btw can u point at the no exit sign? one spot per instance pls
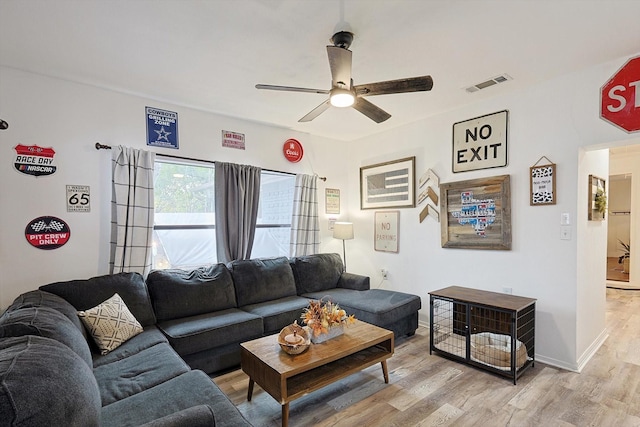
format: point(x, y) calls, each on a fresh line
point(481, 142)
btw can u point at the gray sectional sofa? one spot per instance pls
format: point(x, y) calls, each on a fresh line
point(259, 297)
point(51, 373)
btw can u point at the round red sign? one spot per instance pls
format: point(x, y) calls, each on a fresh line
point(620, 97)
point(47, 232)
point(292, 150)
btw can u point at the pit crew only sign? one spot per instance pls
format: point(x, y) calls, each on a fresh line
point(162, 128)
point(47, 232)
point(34, 160)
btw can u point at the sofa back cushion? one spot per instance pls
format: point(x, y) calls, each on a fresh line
point(45, 322)
point(262, 279)
point(316, 273)
point(44, 383)
point(180, 293)
point(85, 294)
point(40, 298)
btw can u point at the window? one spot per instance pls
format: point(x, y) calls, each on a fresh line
point(184, 219)
point(273, 229)
point(184, 229)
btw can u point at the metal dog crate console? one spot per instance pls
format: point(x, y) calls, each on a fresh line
point(488, 330)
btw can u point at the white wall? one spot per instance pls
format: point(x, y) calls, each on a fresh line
point(557, 119)
point(591, 260)
point(71, 118)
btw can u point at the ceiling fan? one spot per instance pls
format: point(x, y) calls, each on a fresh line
point(343, 93)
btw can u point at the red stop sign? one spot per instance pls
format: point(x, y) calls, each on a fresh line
point(620, 97)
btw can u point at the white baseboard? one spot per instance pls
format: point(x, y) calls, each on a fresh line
point(593, 348)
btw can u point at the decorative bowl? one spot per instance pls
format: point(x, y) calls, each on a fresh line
point(294, 339)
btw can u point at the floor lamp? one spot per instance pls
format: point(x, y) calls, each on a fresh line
point(343, 231)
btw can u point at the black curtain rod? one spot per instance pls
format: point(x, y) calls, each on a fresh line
point(108, 147)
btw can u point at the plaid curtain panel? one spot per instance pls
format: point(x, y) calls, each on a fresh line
point(305, 226)
point(131, 210)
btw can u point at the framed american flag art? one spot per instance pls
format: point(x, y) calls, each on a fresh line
point(388, 185)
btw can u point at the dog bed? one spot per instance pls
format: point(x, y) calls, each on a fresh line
point(495, 350)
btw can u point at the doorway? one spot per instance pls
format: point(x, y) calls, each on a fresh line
point(622, 219)
point(619, 228)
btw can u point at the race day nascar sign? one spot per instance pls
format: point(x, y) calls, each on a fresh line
point(34, 160)
point(162, 128)
point(47, 232)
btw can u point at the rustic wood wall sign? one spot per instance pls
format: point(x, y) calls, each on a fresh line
point(476, 213)
point(597, 198)
point(542, 183)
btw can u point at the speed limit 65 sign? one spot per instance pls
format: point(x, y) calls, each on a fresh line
point(78, 199)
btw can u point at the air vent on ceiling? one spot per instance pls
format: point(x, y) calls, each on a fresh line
point(493, 81)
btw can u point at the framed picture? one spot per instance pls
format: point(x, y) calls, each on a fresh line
point(597, 198)
point(476, 213)
point(332, 200)
point(388, 185)
point(386, 237)
point(542, 185)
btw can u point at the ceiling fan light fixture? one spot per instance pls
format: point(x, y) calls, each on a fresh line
point(342, 98)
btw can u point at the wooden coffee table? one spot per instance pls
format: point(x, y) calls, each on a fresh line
point(287, 377)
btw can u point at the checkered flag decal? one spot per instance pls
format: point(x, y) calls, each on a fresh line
point(39, 226)
point(53, 225)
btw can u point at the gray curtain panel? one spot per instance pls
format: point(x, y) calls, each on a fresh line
point(131, 210)
point(237, 193)
point(305, 226)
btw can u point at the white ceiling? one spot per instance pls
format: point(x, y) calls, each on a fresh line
point(209, 55)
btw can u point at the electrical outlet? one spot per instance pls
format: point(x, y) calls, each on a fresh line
point(385, 274)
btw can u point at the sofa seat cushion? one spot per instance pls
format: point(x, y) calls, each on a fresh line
point(139, 372)
point(206, 331)
point(44, 383)
point(144, 340)
point(377, 306)
point(84, 294)
point(181, 293)
point(39, 298)
point(316, 273)
point(262, 279)
point(185, 391)
point(45, 322)
point(278, 313)
point(196, 416)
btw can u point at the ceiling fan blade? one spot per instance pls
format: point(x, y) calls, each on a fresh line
point(316, 111)
point(413, 84)
point(340, 64)
point(291, 89)
point(376, 114)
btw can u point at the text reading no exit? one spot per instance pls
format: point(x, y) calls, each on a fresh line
point(480, 143)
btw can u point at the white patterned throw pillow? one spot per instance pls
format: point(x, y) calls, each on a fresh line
point(110, 323)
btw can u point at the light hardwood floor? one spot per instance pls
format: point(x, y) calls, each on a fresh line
point(428, 390)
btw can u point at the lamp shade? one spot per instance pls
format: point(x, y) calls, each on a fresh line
point(343, 230)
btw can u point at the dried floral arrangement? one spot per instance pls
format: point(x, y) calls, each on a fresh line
point(320, 317)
